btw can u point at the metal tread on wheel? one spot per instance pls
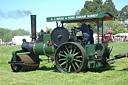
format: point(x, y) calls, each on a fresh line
point(70, 57)
point(30, 62)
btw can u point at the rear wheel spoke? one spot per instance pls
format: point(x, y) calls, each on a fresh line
point(66, 66)
point(65, 52)
point(62, 55)
point(78, 57)
point(76, 53)
point(74, 50)
point(74, 66)
point(70, 51)
point(69, 69)
point(77, 60)
point(67, 49)
point(63, 63)
point(62, 59)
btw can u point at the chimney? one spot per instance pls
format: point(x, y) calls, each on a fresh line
point(33, 28)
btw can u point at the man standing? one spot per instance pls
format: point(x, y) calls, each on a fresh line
point(91, 35)
point(41, 35)
point(85, 32)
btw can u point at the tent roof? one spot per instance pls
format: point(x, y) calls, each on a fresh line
point(122, 34)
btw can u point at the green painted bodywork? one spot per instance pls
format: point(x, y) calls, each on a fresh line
point(90, 54)
point(43, 49)
point(47, 37)
point(14, 54)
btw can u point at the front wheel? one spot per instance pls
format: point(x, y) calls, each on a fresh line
point(70, 57)
point(31, 62)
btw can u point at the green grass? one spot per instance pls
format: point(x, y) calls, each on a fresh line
point(115, 74)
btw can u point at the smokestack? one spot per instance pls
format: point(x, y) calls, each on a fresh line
point(33, 28)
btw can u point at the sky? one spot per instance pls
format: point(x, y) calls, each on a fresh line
point(15, 14)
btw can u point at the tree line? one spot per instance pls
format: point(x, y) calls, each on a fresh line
point(97, 6)
point(7, 34)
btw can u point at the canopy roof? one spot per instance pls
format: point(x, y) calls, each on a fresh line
point(86, 17)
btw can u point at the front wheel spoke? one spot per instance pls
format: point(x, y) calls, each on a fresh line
point(74, 66)
point(63, 63)
point(69, 69)
point(77, 60)
point(76, 53)
point(62, 55)
point(78, 57)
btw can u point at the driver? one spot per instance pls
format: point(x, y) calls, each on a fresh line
point(85, 32)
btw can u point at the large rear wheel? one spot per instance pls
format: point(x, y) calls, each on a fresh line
point(70, 57)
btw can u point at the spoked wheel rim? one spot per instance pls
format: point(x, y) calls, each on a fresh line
point(70, 57)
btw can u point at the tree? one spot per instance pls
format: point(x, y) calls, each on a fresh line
point(123, 14)
point(77, 12)
point(3, 31)
point(20, 32)
point(7, 34)
point(7, 37)
point(116, 26)
point(94, 6)
point(109, 7)
point(97, 6)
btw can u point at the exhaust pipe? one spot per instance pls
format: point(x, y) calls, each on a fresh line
point(33, 28)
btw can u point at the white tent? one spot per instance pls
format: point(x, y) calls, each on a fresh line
point(18, 39)
point(0, 41)
point(122, 34)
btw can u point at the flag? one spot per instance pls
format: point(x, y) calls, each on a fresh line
point(47, 28)
point(110, 30)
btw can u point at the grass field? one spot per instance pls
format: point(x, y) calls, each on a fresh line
point(115, 74)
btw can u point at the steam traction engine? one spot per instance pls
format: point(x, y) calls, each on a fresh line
point(64, 47)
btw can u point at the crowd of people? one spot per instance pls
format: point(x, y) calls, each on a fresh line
point(120, 39)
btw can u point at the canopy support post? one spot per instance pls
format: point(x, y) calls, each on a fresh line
point(62, 24)
point(102, 30)
point(98, 29)
point(56, 23)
